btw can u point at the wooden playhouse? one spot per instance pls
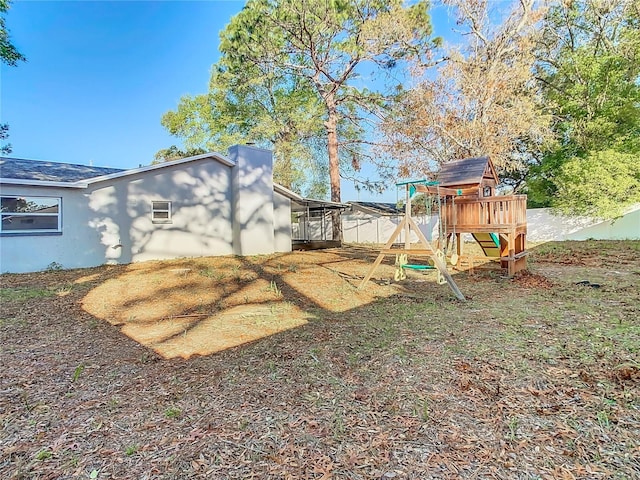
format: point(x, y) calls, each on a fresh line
point(465, 194)
point(497, 222)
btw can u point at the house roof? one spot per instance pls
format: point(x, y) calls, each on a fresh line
point(311, 204)
point(465, 172)
point(20, 168)
point(54, 174)
point(37, 172)
point(380, 208)
point(290, 194)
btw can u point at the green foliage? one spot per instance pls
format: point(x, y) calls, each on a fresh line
point(601, 184)
point(249, 101)
point(174, 153)
point(589, 70)
point(172, 412)
point(247, 104)
point(4, 134)
point(131, 450)
point(9, 55)
point(77, 372)
point(43, 455)
point(20, 294)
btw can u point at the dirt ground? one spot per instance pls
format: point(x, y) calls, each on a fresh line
point(202, 306)
point(279, 367)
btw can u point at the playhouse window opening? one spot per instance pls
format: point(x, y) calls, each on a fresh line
point(161, 211)
point(22, 214)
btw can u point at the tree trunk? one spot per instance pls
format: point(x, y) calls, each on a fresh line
point(334, 163)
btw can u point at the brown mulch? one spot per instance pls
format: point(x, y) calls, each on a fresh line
point(527, 279)
point(531, 378)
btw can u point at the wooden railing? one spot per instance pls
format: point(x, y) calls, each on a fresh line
point(488, 214)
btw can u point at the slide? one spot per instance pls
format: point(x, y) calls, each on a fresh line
point(490, 243)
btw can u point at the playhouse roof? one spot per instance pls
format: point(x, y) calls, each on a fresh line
point(468, 171)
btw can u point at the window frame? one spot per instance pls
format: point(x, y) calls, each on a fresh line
point(155, 211)
point(32, 231)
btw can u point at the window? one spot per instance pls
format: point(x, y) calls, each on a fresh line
point(486, 192)
point(30, 215)
point(161, 212)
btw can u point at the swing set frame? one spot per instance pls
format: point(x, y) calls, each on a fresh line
point(408, 225)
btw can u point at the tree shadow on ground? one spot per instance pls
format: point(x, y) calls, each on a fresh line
point(201, 306)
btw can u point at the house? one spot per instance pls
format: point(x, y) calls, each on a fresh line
point(83, 216)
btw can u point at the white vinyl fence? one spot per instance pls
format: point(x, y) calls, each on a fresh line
point(364, 228)
point(542, 226)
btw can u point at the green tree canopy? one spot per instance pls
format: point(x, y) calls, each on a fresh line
point(589, 71)
point(174, 153)
point(9, 55)
point(289, 75)
point(244, 104)
point(603, 181)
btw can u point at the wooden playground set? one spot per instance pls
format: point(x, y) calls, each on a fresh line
point(464, 195)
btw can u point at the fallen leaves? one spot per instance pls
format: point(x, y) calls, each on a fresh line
point(527, 379)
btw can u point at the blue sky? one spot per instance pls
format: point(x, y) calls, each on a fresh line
point(99, 76)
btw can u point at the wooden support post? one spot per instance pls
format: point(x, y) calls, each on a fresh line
point(407, 214)
point(512, 254)
point(521, 253)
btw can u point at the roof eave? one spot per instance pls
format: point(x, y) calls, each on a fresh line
point(42, 183)
point(291, 195)
point(125, 173)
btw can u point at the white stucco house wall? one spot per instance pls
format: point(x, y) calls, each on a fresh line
point(80, 216)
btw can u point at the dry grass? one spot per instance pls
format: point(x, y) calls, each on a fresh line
point(107, 372)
